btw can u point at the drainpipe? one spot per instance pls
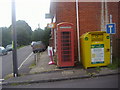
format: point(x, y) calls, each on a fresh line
point(102, 16)
point(106, 13)
point(78, 31)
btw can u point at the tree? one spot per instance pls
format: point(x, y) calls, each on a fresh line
point(6, 36)
point(46, 36)
point(24, 33)
point(41, 35)
point(38, 34)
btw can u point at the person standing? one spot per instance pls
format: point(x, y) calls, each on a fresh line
point(50, 54)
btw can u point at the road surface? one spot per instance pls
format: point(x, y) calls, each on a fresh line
point(22, 55)
point(96, 82)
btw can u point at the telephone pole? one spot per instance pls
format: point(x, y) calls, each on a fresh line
point(14, 40)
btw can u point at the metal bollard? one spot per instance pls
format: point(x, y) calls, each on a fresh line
point(35, 58)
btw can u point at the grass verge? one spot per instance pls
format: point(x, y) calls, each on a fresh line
point(32, 65)
point(16, 84)
point(20, 46)
point(8, 76)
point(98, 68)
point(115, 63)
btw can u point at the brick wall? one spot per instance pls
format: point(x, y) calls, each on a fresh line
point(118, 44)
point(65, 12)
point(89, 18)
point(118, 34)
point(113, 10)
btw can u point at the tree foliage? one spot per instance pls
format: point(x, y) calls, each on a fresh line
point(6, 36)
point(38, 35)
point(46, 36)
point(24, 34)
point(41, 35)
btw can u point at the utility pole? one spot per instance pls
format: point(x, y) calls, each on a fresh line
point(14, 40)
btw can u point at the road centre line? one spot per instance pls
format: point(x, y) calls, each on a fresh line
point(24, 61)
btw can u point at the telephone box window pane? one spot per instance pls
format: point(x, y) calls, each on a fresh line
point(66, 58)
point(66, 52)
point(65, 44)
point(65, 35)
point(66, 40)
point(66, 48)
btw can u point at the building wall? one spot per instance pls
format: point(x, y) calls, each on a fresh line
point(89, 18)
point(118, 40)
point(118, 34)
point(65, 12)
point(113, 10)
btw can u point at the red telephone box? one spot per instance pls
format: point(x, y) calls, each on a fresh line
point(65, 44)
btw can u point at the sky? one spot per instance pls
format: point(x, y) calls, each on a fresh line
point(31, 11)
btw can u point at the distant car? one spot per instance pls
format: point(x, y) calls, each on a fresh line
point(32, 43)
point(38, 47)
point(3, 51)
point(9, 47)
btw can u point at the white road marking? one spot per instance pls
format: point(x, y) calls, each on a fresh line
point(1, 79)
point(25, 60)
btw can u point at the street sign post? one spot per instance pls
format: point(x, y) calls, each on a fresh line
point(110, 28)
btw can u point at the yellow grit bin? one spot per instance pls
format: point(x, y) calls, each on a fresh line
point(95, 49)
